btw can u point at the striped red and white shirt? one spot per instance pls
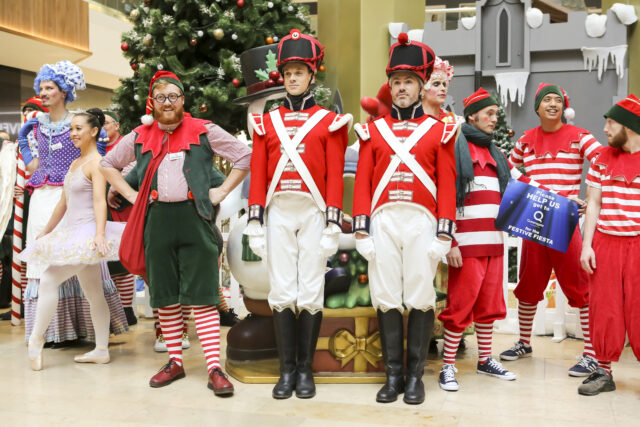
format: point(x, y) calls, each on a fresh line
point(555, 159)
point(476, 234)
point(615, 175)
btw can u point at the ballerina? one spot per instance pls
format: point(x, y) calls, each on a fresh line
point(75, 241)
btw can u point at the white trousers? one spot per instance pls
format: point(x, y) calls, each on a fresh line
point(402, 272)
point(43, 201)
point(295, 262)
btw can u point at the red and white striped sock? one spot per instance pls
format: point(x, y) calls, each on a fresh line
point(208, 328)
point(584, 324)
point(186, 314)
point(171, 324)
point(526, 313)
point(484, 332)
point(23, 276)
point(606, 365)
point(156, 323)
point(451, 342)
point(126, 285)
point(222, 305)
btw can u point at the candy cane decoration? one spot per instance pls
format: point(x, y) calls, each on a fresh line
point(16, 266)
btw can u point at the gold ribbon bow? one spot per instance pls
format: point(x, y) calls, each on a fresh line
point(344, 347)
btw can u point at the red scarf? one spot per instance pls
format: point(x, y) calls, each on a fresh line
point(151, 137)
point(542, 142)
point(619, 163)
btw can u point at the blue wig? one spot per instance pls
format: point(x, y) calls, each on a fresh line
point(65, 74)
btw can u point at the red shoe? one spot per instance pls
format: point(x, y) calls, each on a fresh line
point(167, 374)
point(219, 383)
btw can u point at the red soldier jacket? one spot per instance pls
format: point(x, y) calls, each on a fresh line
point(434, 154)
point(319, 137)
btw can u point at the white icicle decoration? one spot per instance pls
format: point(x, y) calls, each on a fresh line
point(599, 57)
point(512, 84)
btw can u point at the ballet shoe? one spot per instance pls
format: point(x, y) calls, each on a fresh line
point(35, 353)
point(92, 357)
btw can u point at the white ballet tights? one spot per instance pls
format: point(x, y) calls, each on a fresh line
point(90, 280)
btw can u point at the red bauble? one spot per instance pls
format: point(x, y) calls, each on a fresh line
point(343, 258)
point(270, 83)
point(124, 46)
point(203, 108)
point(269, 40)
point(193, 42)
point(273, 75)
point(403, 38)
point(280, 81)
point(134, 66)
point(363, 279)
point(510, 132)
point(322, 68)
point(240, 3)
point(235, 82)
point(147, 2)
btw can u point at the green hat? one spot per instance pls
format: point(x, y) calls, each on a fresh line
point(115, 116)
point(477, 101)
point(626, 112)
point(547, 88)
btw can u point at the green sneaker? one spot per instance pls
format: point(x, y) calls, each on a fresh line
point(597, 382)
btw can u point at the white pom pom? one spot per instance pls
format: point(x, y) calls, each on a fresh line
point(626, 13)
point(534, 17)
point(569, 113)
point(147, 119)
point(595, 25)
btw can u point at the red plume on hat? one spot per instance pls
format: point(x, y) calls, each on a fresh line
point(147, 119)
point(408, 55)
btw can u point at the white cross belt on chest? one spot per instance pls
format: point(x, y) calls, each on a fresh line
point(402, 155)
point(291, 153)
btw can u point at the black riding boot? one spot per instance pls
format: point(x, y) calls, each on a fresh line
point(284, 325)
point(308, 330)
point(391, 338)
point(418, 335)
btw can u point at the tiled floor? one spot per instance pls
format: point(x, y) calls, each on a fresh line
point(70, 394)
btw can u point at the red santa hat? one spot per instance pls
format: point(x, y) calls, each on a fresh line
point(546, 88)
point(167, 76)
point(477, 101)
point(407, 55)
point(298, 47)
point(626, 112)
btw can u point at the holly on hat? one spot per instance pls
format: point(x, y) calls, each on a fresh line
point(477, 101)
point(298, 47)
point(626, 112)
point(168, 76)
point(547, 88)
point(407, 55)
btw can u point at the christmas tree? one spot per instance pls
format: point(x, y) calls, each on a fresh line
point(200, 41)
point(502, 134)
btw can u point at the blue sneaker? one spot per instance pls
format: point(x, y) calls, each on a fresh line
point(448, 379)
point(518, 350)
point(494, 368)
point(585, 367)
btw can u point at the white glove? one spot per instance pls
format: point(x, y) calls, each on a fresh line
point(366, 248)
point(257, 238)
point(439, 248)
point(329, 240)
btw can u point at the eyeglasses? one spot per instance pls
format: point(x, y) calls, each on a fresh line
point(172, 97)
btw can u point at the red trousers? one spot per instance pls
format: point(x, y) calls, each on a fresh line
point(536, 263)
point(614, 301)
point(474, 293)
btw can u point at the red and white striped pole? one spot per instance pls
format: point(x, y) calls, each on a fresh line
point(17, 266)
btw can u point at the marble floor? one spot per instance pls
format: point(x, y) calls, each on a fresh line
point(70, 394)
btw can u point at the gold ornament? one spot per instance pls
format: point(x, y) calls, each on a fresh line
point(218, 33)
point(147, 40)
point(134, 15)
point(344, 347)
point(203, 108)
point(269, 40)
